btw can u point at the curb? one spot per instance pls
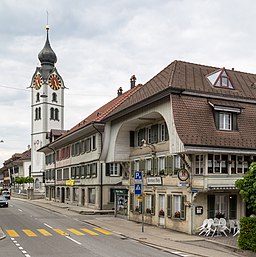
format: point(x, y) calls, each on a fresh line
point(2, 234)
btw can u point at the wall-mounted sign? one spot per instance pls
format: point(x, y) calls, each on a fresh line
point(154, 181)
point(70, 182)
point(183, 175)
point(199, 210)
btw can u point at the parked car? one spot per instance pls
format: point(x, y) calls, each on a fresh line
point(6, 194)
point(3, 201)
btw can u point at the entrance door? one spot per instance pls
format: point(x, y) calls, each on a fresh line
point(62, 200)
point(121, 204)
point(82, 197)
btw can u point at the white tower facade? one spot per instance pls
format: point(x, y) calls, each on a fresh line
point(47, 109)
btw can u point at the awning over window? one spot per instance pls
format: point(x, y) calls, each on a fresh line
point(217, 187)
point(227, 106)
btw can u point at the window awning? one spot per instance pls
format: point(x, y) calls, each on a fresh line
point(217, 187)
point(226, 106)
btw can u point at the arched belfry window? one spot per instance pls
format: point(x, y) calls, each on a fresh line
point(38, 97)
point(56, 114)
point(52, 113)
point(54, 97)
point(38, 113)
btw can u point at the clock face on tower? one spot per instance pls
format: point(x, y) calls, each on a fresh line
point(37, 81)
point(54, 82)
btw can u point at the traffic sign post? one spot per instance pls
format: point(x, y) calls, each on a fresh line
point(138, 190)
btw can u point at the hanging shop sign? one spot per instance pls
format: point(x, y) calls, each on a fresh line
point(183, 174)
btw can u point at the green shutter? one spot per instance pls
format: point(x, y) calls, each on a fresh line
point(142, 166)
point(166, 167)
point(166, 132)
point(131, 202)
point(107, 169)
point(234, 121)
point(169, 165)
point(155, 168)
point(169, 206)
point(183, 208)
point(132, 168)
point(217, 120)
point(153, 207)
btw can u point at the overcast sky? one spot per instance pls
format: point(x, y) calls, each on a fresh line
point(101, 43)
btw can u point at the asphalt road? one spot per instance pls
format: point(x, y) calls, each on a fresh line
point(36, 232)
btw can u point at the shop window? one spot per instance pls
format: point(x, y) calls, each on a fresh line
point(92, 195)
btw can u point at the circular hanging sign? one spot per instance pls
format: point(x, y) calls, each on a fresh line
point(183, 175)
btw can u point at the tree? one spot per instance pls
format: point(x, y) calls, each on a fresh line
point(247, 186)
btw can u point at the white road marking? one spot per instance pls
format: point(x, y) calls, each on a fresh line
point(20, 210)
point(73, 240)
point(48, 225)
point(24, 251)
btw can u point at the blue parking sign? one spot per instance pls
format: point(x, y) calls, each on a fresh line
point(138, 175)
point(138, 189)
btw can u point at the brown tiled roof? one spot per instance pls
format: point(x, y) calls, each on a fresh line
point(192, 77)
point(103, 111)
point(194, 121)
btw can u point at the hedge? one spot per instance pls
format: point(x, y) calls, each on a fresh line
point(247, 236)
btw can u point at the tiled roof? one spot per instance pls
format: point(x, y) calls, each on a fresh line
point(103, 111)
point(194, 122)
point(192, 77)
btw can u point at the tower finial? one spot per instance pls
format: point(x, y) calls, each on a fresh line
point(47, 25)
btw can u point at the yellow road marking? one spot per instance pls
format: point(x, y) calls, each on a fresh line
point(76, 232)
point(89, 232)
point(103, 231)
point(12, 233)
point(28, 232)
point(61, 232)
point(44, 232)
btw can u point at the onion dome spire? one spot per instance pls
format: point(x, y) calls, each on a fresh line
point(47, 55)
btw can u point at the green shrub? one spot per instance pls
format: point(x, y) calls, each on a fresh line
point(247, 237)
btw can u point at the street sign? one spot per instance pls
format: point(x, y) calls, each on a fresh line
point(120, 191)
point(138, 175)
point(138, 189)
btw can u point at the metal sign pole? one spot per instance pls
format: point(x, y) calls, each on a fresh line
point(142, 214)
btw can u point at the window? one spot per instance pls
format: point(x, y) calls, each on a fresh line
point(176, 206)
point(94, 169)
point(75, 194)
point(150, 204)
point(176, 163)
point(93, 142)
point(226, 120)
point(114, 169)
point(88, 145)
point(199, 164)
point(38, 97)
point(56, 114)
point(68, 193)
point(66, 173)
point(88, 171)
point(240, 163)
point(59, 174)
point(163, 132)
point(54, 97)
point(52, 114)
point(161, 165)
point(38, 113)
point(148, 166)
point(92, 195)
point(220, 78)
point(73, 172)
point(218, 163)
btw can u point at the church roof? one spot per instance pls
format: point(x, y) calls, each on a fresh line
point(47, 55)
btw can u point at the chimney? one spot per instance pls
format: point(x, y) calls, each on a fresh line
point(119, 91)
point(133, 81)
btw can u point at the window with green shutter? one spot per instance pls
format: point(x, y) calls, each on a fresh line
point(183, 208)
point(131, 202)
point(169, 206)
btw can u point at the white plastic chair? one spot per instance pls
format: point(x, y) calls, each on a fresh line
point(232, 226)
point(202, 227)
point(238, 228)
point(210, 228)
point(224, 227)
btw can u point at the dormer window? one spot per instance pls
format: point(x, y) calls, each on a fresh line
point(220, 78)
point(225, 115)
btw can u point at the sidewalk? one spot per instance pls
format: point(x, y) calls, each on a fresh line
point(157, 237)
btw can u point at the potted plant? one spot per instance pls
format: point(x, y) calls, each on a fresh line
point(161, 213)
point(177, 214)
point(148, 211)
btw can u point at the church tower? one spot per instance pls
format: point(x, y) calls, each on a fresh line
point(47, 107)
